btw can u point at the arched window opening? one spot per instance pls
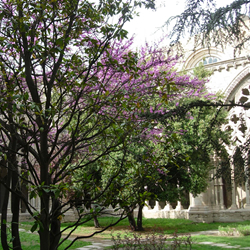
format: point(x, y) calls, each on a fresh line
point(208, 60)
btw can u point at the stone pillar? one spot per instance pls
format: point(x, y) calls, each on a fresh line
point(216, 197)
point(198, 211)
point(70, 214)
point(221, 200)
point(38, 205)
point(197, 203)
point(168, 207)
point(9, 204)
point(179, 207)
point(35, 203)
point(157, 206)
point(32, 202)
point(247, 205)
point(233, 206)
point(147, 206)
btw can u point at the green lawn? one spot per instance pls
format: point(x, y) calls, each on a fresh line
point(243, 241)
point(165, 226)
point(30, 241)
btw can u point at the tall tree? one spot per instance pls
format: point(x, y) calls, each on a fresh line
point(197, 140)
point(168, 163)
point(72, 94)
point(212, 25)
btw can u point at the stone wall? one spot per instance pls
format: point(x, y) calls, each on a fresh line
point(206, 216)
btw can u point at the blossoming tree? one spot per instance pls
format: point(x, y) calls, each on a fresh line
point(72, 93)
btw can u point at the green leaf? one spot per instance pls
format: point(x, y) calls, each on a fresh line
point(57, 193)
point(12, 239)
point(41, 227)
point(34, 227)
point(99, 64)
point(33, 194)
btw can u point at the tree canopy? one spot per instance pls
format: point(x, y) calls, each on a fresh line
point(212, 25)
point(167, 166)
point(73, 94)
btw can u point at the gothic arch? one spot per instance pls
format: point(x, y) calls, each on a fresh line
point(239, 126)
point(199, 54)
point(239, 117)
point(236, 83)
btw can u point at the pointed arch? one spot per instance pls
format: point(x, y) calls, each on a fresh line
point(199, 54)
point(235, 84)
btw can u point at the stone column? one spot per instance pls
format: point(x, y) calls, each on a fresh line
point(168, 207)
point(198, 211)
point(157, 206)
point(32, 203)
point(216, 197)
point(233, 206)
point(197, 203)
point(247, 205)
point(35, 203)
point(221, 201)
point(179, 207)
point(9, 204)
point(147, 206)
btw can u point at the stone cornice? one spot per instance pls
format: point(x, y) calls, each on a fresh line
point(227, 64)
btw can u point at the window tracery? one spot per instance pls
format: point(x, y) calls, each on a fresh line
point(208, 60)
point(239, 117)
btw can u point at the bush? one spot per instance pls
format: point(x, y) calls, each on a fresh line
point(228, 230)
point(235, 230)
point(153, 241)
point(244, 230)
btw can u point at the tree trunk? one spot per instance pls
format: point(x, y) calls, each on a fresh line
point(45, 178)
point(13, 170)
point(4, 240)
point(44, 237)
point(15, 195)
point(55, 234)
point(139, 219)
point(15, 206)
point(24, 190)
point(96, 222)
point(131, 220)
point(44, 231)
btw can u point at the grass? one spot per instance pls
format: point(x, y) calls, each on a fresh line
point(232, 241)
point(244, 230)
point(30, 241)
point(165, 226)
point(235, 230)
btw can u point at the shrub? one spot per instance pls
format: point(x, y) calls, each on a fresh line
point(235, 230)
point(228, 230)
point(244, 230)
point(153, 241)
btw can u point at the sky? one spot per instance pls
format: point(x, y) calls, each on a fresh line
point(148, 25)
